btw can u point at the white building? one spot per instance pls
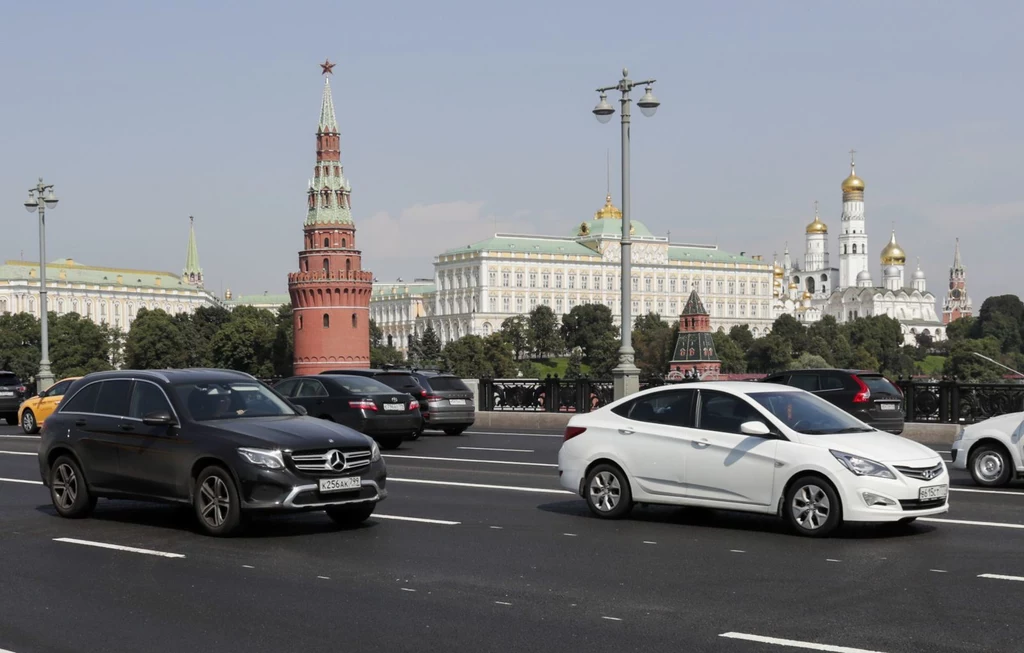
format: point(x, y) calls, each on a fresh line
point(812, 292)
point(478, 286)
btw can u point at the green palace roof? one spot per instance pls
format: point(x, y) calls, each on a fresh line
point(73, 272)
point(259, 300)
point(528, 244)
point(399, 288)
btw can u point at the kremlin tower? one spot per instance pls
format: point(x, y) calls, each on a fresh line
point(331, 292)
point(694, 353)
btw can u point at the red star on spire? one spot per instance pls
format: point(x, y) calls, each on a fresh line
point(328, 67)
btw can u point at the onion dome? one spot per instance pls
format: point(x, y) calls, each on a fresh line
point(863, 276)
point(806, 295)
point(817, 227)
point(853, 183)
point(892, 271)
point(792, 285)
point(893, 254)
point(919, 273)
point(777, 271)
point(227, 294)
point(608, 211)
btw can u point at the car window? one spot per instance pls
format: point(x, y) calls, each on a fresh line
point(148, 398)
point(403, 382)
point(311, 388)
point(807, 413)
point(59, 389)
point(287, 388)
point(83, 401)
point(808, 382)
point(724, 412)
point(9, 379)
point(445, 383)
point(230, 400)
point(832, 382)
point(672, 408)
point(361, 385)
point(879, 385)
point(113, 397)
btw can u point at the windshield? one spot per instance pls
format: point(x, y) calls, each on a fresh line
point(805, 413)
point(361, 384)
point(230, 400)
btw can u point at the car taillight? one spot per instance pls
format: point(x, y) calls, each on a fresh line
point(362, 404)
point(864, 394)
point(22, 389)
point(572, 431)
point(413, 405)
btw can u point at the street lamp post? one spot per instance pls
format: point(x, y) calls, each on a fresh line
point(39, 199)
point(626, 375)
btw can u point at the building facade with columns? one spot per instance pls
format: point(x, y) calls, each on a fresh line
point(480, 285)
point(399, 309)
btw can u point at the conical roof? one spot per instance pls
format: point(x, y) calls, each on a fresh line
point(328, 121)
point(694, 306)
point(192, 255)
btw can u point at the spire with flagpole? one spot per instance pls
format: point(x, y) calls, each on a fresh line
point(192, 274)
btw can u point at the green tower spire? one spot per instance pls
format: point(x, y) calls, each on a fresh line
point(192, 274)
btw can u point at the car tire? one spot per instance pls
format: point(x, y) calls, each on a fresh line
point(28, 422)
point(455, 430)
point(216, 502)
point(811, 507)
point(350, 516)
point(607, 492)
point(390, 442)
point(10, 418)
point(69, 491)
point(990, 465)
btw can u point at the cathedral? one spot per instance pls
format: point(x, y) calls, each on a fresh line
point(815, 289)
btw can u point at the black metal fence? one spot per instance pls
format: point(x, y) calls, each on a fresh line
point(566, 395)
point(954, 402)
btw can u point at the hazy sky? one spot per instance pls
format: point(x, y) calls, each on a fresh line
point(462, 118)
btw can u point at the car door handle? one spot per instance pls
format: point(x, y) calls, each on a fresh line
point(626, 432)
point(702, 443)
point(127, 427)
point(79, 422)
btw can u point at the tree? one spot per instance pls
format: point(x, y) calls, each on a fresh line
point(429, 351)
point(653, 341)
point(475, 357)
point(965, 366)
point(881, 337)
point(787, 328)
point(729, 353)
point(771, 353)
point(586, 325)
point(808, 361)
point(499, 355)
point(77, 346)
point(283, 349)
point(515, 329)
point(155, 341)
point(115, 344)
point(960, 329)
point(543, 332)
point(574, 369)
point(19, 344)
point(386, 355)
point(205, 322)
point(245, 343)
point(742, 336)
point(863, 360)
point(376, 334)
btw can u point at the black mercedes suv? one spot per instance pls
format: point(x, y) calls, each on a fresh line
point(218, 440)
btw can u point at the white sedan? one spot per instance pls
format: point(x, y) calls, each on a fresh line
point(753, 447)
point(991, 450)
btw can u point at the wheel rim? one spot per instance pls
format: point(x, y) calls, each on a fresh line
point(811, 507)
point(65, 486)
point(214, 501)
point(605, 491)
point(28, 421)
point(989, 466)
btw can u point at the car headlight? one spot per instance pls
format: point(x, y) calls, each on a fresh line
point(374, 452)
point(269, 458)
point(862, 466)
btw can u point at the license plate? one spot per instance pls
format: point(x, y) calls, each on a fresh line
point(394, 406)
point(340, 484)
point(933, 492)
point(6, 393)
point(888, 406)
point(457, 402)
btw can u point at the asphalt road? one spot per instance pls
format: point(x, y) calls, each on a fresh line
point(477, 549)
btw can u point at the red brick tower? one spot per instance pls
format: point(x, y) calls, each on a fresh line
point(330, 292)
point(695, 347)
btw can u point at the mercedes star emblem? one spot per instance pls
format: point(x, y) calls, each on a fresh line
point(335, 460)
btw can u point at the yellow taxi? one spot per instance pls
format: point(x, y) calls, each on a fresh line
point(33, 412)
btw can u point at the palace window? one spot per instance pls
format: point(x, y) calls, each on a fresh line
point(720, 285)
point(636, 307)
point(609, 282)
point(572, 281)
point(636, 283)
point(533, 302)
point(672, 284)
point(559, 305)
point(661, 284)
point(572, 304)
point(519, 304)
point(494, 304)
point(674, 306)
point(506, 304)
point(558, 280)
point(519, 279)
point(732, 287)
point(492, 278)
point(327, 242)
point(505, 279)
point(647, 306)
point(545, 280)
point(583, 282)
point(661, 306)
point(533, 279)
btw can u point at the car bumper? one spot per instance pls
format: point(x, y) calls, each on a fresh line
point(903, 495)
point(10, 404)
point(449, 416)
point(289, 491)
point(391, 424)
point(958, 452)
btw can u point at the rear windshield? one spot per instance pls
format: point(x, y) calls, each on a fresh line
point(9, 379)
point(880, 385)
point(361, 384)
point(443, 383)
point(403, 382)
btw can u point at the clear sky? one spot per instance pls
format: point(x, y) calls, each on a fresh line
point(462, 118)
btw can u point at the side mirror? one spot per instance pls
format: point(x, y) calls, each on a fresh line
point(301, 410)
point(158, 418)
point(755, 427)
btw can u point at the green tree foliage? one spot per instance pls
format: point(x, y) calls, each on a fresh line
point(771, 353)
point(653, 341)
point(960, 329)
point(499, 356)
point(808, 361)
point(428, 351)
point(543, 334)
point(381, 353)
point(730, 353)
point(155, 341)
point(787, 328)
point(473, 357)
point(963, 365)
point(882, 338)
point(77, 346)
point(590, 327)
point(19, 344)
point(1001, 317)
point(742, 336)
point(245, 342)
point(516, 330)
point(574, 369)
point(283, 349)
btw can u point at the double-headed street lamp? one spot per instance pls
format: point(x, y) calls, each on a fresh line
point(626, 375)
point(38, 198)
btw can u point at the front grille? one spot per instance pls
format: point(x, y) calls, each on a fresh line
point(332, 461)
point(917, 504)
point(922, 473)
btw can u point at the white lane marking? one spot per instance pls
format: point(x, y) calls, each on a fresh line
point(407, 589)
point(18, 453)
point(975, 491)
point(20, 480)
point(470, 460)
point(324, 577)
point(1001, 577)
point(612, 618)
point(966, 522)
point(736, 551)
point(832, 560)
point(795, 643)
point(481, 486)
point(496, 449)
point(503, 603)
point(497, 528)
point(649, 542)
point(118, 547)
point(248, 567)
point(938, 571)
point(529, 435)
point(22, 437)
point(569, 534)
point(421, 520)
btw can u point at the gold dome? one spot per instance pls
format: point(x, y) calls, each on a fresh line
point(608, 211)
point(893, 254)
point(853, 183)
point(227, 294)
point(806, 295)
point(778, 272)
point(817, 227)
point(792, 285)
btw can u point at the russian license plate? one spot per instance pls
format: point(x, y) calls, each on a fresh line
point(6, 393)
point(933, 492)
point(340, 484)
point(394, 406)
point(888, 406)
point(457, 402)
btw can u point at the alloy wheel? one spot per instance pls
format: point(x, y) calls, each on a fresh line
point(989, 466)
point(28, 421)
point(605, 491)
point(811, 507)
point(65, 486)
point(214, 501)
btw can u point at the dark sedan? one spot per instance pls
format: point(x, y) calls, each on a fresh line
point(218, 440)
point(359, 402)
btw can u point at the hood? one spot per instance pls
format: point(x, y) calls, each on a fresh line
point(1007, 424)
point(876, 445)
point(291, 432)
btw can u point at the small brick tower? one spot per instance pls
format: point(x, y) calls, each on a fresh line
point(695, 348)
point(331, 292)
